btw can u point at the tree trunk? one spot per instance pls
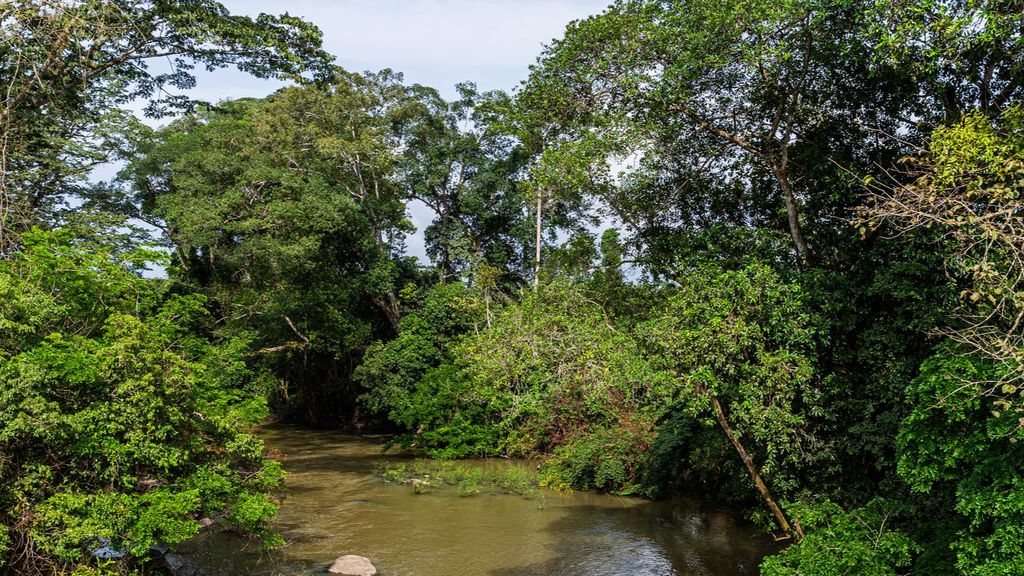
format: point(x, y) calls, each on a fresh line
point(748, 461)
point(389, 306)
point(536, 260)
point(792, 210)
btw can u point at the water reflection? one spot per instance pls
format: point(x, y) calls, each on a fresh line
point(336, 505)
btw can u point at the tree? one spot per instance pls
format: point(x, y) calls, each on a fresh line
point(859, 541)
point(459, 163)
point(69, 67)
point(719, 102)
point(738, 346)
point(710, 110)
point(121, 426)
point(960, 436)
point(287, 214)
point(562, 174)
point(965, 53)
point(967, 193)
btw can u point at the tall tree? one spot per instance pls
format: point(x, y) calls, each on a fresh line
point(968, 55)
point(458, 162)
point(723, 107)
point(287, 213)
point(967, 191)
point(69, 67)
point(563, 174)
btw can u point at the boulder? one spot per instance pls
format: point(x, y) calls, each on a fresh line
point(178, 566)
point(171, 563)
point(350, 565)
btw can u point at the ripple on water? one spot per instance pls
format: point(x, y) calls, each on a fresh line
point(336, 505)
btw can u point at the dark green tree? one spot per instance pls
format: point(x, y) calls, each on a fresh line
point(68, 69)
point(121, 425)
point(287, 214)
point(458, 162)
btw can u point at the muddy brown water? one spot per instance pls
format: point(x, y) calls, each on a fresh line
point(336, 504)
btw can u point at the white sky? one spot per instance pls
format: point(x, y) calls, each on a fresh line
point(437, 43)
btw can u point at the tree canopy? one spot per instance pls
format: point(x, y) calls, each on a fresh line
point(763, 251)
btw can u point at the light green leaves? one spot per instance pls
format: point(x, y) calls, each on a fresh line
point(120, 424)
point(860, 541)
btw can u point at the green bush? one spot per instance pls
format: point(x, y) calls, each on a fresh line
point(436, 319)
point(859, 542)
point(119, 423)
point(964, 435)
point(451, 417)
point(547, 369)
point(610, 460)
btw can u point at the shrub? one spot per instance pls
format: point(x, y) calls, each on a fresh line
point(856, 542)
point(610, 460)
point(119, 424)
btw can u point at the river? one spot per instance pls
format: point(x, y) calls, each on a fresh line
point(336, 504)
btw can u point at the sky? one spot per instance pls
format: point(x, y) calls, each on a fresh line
point(436, 43)
point(433, 42)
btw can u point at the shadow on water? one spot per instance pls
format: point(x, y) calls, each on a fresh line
point(653, 538)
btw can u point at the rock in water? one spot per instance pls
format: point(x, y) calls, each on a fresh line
point(350, 565)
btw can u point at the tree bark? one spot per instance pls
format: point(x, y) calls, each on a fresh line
point(536, 260)
point(389, 306)
point(748, 461)
point(793, 211)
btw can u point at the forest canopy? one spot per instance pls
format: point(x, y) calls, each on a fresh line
point(765, 251)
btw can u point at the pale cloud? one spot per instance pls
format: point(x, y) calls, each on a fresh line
point(433, 42)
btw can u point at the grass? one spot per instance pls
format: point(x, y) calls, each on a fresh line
point(469, 479)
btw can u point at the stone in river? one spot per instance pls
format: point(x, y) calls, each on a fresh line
point(350, 565)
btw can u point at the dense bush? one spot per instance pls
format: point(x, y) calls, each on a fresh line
point(547, 371)
point(436, 318)
point(609, 460)
point(120, 424)
point(860, 541)
point(965, 431)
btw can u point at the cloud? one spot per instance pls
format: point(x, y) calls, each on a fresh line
point(435, 42)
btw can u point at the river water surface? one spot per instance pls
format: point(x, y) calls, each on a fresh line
point(336, 504)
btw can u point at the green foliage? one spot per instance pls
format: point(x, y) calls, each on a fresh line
point(300, 254)
point(546, 370)
point(434, 320)
point(962, 432)
point(856, 542)
point(610, 460)
point(744, 337)
point(451, 417)
point(732, 296)
point(965, 49)
point(557, 366)
point(459, 162)
point(968, 189)
point(69, 68)
point(119, 422)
